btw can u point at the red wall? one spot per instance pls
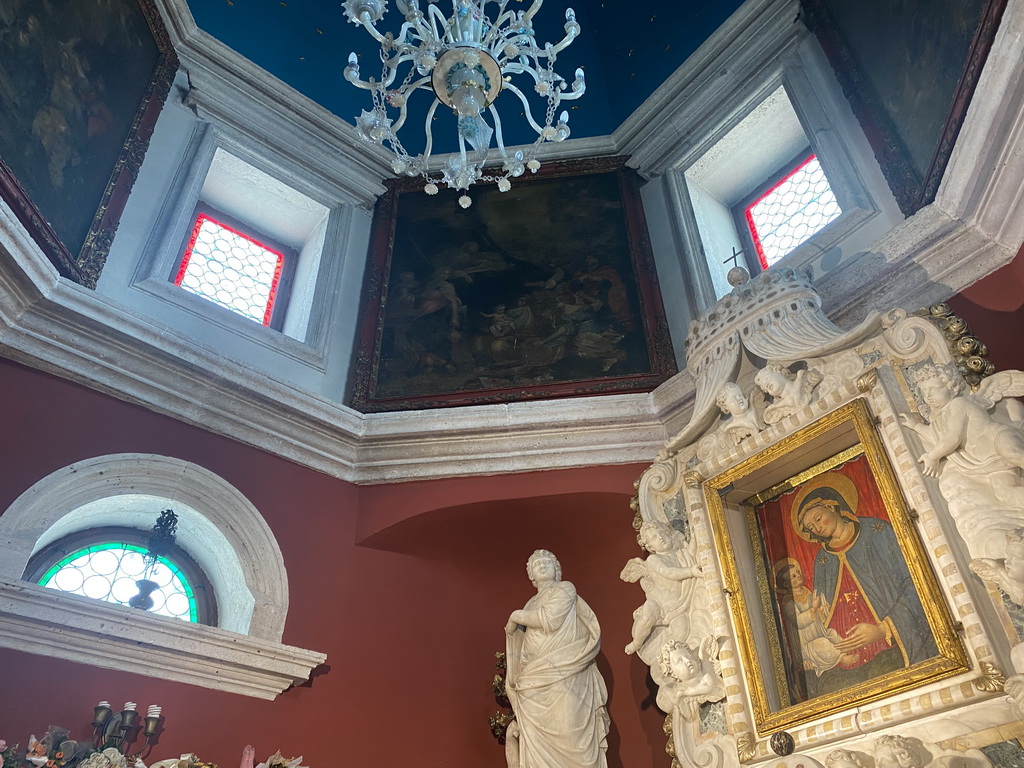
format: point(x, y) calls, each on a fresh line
point(994, 309)
point(406, 588)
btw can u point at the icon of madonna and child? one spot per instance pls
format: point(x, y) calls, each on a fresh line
point(848, 607)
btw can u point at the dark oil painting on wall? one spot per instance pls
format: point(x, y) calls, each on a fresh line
point(81, 83)
point(547, 290)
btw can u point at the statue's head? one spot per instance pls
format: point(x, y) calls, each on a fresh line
point(656, 537)
point(679, 661)
point(773, 379)
point(937, 385)
point(1015, 554)
point(731, 399)
point(901, 752)
point(542, 555)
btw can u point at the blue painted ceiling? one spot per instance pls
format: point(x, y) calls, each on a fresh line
point(627, 48)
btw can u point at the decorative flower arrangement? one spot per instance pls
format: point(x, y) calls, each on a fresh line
point(8, 755)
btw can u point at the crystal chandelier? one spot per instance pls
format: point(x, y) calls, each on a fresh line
point(466, 61)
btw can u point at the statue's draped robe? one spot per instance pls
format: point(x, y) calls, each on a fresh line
point(556, 691)
point(871, 570)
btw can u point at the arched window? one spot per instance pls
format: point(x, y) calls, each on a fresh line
point(65, 521)
point(108, 564)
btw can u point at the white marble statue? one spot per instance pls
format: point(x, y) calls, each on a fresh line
point(692, 675)
point(790, 392)
point(668, 577)
point(741, 421)
point(965, 432)
point(553, 683)
point(975, 446)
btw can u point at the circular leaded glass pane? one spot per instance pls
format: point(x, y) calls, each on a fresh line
point(110, 571)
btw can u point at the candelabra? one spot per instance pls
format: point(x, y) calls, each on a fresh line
point(466, 60)
point(113, 728)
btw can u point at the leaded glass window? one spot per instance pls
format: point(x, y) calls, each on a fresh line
point(107, 564)
point(791, 211)
point(231, 268)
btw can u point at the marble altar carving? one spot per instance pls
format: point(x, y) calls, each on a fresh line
point(740, 423)
point(556, 691)
point(693, 676)
point(668, 576)
point(790, 392)
point(770, 335)
point(974, 438)
point(896, 751)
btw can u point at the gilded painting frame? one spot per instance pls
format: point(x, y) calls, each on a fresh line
point(83, 84)
point(547, 290)
point(776, 508)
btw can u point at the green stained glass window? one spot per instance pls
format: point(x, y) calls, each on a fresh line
point(109, 571)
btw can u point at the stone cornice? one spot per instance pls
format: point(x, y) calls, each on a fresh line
point(43, 621)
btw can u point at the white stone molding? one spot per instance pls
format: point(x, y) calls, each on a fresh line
point(42, 621)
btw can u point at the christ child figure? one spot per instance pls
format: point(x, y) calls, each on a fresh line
point(805, 612)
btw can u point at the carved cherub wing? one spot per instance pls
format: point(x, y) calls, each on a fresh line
point(634, 570)
point(1002, 384)
point(708, 651)
point(809, 381)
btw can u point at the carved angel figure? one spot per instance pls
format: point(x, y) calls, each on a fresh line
point(790, 391)
point(909, 752)
point(693, 676)
point(667, 577)
point(964, 431)
point(741, 422)
point(1006, 573)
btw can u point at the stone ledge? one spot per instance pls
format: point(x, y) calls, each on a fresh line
point(43, 621)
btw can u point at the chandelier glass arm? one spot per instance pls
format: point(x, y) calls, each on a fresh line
point(428, 147)
point(368, 25)
point(526, 105)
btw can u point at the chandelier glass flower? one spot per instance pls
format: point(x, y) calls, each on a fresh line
point(466, 61)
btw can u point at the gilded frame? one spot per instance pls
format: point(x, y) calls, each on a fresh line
point(793, 465)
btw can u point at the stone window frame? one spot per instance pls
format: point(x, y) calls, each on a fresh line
point(218, 526)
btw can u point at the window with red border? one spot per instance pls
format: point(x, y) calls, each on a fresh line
point(231, 268)
point(790, 211)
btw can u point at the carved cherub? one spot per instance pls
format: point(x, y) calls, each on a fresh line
point(667, 577)
point(1007, 573)
point(790, 391)
point(963, 431)
point(909, 752)
point(741, 421)
point(693, 676)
